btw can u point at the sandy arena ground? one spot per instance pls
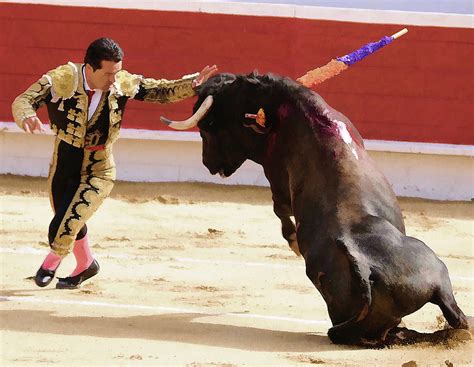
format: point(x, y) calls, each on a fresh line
point(197, 275)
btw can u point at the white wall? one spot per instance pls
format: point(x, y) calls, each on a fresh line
point(429, 176)
point(432, 171)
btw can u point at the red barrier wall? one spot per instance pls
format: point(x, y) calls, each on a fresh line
point(419, 88)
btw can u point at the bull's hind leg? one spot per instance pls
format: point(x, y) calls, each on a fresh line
point(444, 298)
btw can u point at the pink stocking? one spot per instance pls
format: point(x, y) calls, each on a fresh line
point(83, 255)
point(51, 262)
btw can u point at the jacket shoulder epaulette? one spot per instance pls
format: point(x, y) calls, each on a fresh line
point(63, 80)
point(127, 84)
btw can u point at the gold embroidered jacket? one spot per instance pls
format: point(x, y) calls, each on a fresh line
point(62, 91)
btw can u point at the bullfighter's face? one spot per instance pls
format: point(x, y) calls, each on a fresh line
point(104, 77)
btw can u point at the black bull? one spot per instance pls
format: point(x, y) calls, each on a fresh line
point(349, 226)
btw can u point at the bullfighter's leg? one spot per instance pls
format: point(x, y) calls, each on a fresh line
point(63, 181)
point(88, 182)
point(93, 179)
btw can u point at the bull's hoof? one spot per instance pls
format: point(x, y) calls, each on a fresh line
point(457, 335)
point(470, 323)
point(295, 248)
point(404, 336)
point(374, 344)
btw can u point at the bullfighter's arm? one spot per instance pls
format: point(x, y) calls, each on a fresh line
point(160, 90)
point(154, 90)
point(166, 91)
point(27, 103)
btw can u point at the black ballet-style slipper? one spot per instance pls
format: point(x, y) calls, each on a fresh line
point(44, 277)
point(75, 281)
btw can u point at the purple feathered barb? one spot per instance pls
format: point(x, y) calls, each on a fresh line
point(364, 51)
point(335, 66)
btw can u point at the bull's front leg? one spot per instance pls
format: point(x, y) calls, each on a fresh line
point(282, 209)
point(279, 183)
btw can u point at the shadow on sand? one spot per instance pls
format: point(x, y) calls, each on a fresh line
point(183, 328)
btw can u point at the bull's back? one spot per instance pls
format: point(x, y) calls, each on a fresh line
point(359, 181)
point(367, 190)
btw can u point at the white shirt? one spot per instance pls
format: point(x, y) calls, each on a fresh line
point(95, 97)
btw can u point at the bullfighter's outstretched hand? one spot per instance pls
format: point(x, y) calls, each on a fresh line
point(205, 74)
point(32, 124)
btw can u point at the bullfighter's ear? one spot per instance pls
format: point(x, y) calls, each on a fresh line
point(258, 122)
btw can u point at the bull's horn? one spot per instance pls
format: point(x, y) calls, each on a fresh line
point(193, 120)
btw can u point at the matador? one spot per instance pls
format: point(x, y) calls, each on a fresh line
point(85, 103)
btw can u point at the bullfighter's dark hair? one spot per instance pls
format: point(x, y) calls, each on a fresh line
point(102, 49)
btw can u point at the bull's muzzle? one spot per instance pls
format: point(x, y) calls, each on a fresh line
point(193, 120)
